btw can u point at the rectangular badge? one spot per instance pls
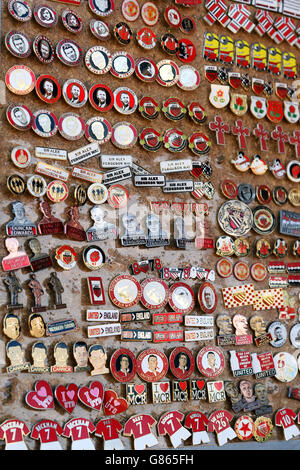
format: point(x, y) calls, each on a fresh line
point(149, 180)
point(120, 174)
point(268, 299)
point(136, 394)
point(100, 331)
point(197, 389)
point(136, 335)
point(263, 365)
point(180, 390)
point(238, 296)
point(178, 186)
point(161, 392)
point(54, 172)
point(198, 320)
point(84, 153)
point(85, 174)
point(139, 170)
point(60, 327)
point(51, 153)
point(140, 315)
point(289, 223)
point(198, 335)
point(96, 291)
point(167, 336)
point(166, 318)
point(102, 315)
point(172, 166)
point(115, 161)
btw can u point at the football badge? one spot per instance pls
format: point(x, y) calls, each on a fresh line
point(258, 107)
point(219, 96)
point(238, 104)
point(291, 111)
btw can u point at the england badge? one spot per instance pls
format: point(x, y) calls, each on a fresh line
point(291, 111)
point(258, 107)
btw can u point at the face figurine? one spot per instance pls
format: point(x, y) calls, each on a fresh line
point(232, 391)
point(240, 324)
point(39, 356)
point(224, 324)
point(36, 325)
point(258, 325)
point(98, 357)
point(247, 390)
point(61, 355)
point(11, 326)
point(80, 353)
point(261, 393)
point(15, 354)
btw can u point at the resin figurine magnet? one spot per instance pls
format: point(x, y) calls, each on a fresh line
point(15, 259)
point(37, 292)
point(14, 289)
point(20, 226)
point(57, 288)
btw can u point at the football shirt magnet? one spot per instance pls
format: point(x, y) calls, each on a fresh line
point(98, 129)
point(145, 69)
point(21, 157)
point(149, 13)
point(36, 186)
point(18, 44)
point(97, 193)
point(172, 16)
point(130, 9)
point(189, 78)
point(124, 291)
point(16, 184)
point(71, 126)
point(72, 21)
point(43, 49)
point(100, 29)
point(293, 171)
point(173, 109)
point(19, 116)
point(123, 64)
point(75, 93)
point(45, 15)
point(168, 73)
point(186, 50)
point(150, 139)
point(264, 221)
point(125, 100)
point(174, 140)
point(69, 52)
point(235, 218)
point(124, 135)
point(155, 293)
point(98, 60)
point(48, 89)
point(146, 38)
point(101, 97)
point(93, 257)
point(57, 191)
point(20, 80)
point(102, 8)
point(169, 43)
point(19, 10)
point(122, 33)
point(148, 108)
point(225, 246)
point(45, 123)
point(118, 196)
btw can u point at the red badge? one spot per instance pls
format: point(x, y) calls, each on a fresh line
point(124, 291)
point(101, 97)
point(186, 50)
point(207, 297)
point(155, 293)
point(67, 396)
point(92, 396)
point(123, 365)
point(275, 111)
point(152, 365)
point(112, 404)
point(210, 361)
point(182, 298)
point(41, 398)
point(182, 362)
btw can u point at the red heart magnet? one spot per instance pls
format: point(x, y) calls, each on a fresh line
point(113, 405)
point(67, 396)
point(41, 398)
point(92, 396)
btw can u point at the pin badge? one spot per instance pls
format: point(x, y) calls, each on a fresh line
point(125, 100)
point(149, 13)
point(69, 52)
point(71, 126)
point(123, 33)
point(72, 21)
point(152, 365)
point(100, 29)
point(148, 108)
point(43, 49)
point(14, 260)
point(123, 65)
point(146, 70)
point(168, 73)
point(48, 89)
point(98, 60)
point(16, 184)
point(130, 10)
point(101, 97)
point(210, 361)
point(75, 93)
point(45, 15)
point(124, 135)
point(102, 8)
point(19, 10)
point(18, 44)
point(45, 123)
point(123, 365)
point(189, 78)
point(20, 79)
point(20, 226)
point(125, 291)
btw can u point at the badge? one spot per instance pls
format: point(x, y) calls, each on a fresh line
point(263, 429)
point(196, 112)
point(224, 246)
point(294, 197)
point(125, 100)
point(135, 424)
point(118, 196)
point(241, 271)
point(96, 291)
point(48, 89)
point(286, 366)
point(152, 365)
point(168, 73)
point(293, 171)
point(263, 248)
point(72, 21)
point(210, 361)
point(41, 398)
point(37, 186)
point(289, 65)
point(282, 138)
point(278, 332)
point(274, 111)
point(226, 336)
point(67, 396)
point(125, 291)
point(123, 65)
point(20, 79)
point(169, 43)
point(39, 356)
point(220, 128)
point(295, 140)
point(224, 267)
point(291, 111)
point(186, 51)
point(11, 326)
point(182, 363)
point(182, 298)
point(16, 184)
point(101, 97)
point(130, 10)
point(21, 157)
point(123, 33)
point(188, 25)
point(123, 365)
point(69, 52)
point(66, 257)
point(45, 15)
point(223, 75)
point(14, 260)
point(174, 140)
point(258, 107)
point(264, 220)
point(161, 392)
point(133, 235)
point(280, 195)
point(15, 354)
point(52, 171)
point(244, 428)
point(149, 13)
point(36, 325)
point(146, 70)
point(277, 168)
point(258, 272)
point(98, 60)
point(280, 248)
point(19, 10)
point(189, 78)
point(20, 226)
point(100, 29)
point(285, 418)
point(73, 229)
point(268, 299)
point(242, 54)
point(45, 123)
point(18, 44)
point(109, 429)
point(43, 49)
point(102, 331)
point(258, 166)
point(235, 218)
point(93, 257)
point(173, 109)
point(92, 396)
point(211, 47)
point(172, 16)
point(14, 288)
point(211, 73)
point(226, 50)
point(219, 96)
point(155, 293)
point(102, 8)
point(71, 126)
point(246, 193)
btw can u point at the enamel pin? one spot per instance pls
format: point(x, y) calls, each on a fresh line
point(140, 427)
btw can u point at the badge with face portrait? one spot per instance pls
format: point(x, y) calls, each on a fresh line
point(39, 356)
point(102, 7)
point(123, 65)
point(15, 354)
point(19, 10)
point(36, 325)
point(43, 49)
point(182, 362)
point(20, 226)
point(123, 365)
point(14, 260)
point(75, 93)
point(98, 358)
point(101, 97)
point(18, 44)
point(125, 100)
point(45, 123)
point(207, 297)
point(98, 60)
point(145, 69)
point(152, 365)
point(45, 15)
point(69, 52)
point(20, 80)
point(101, 229)
point(61, 356)
point(210, 361)
point(168, 73)
point(71, 126)
point(72, 21)
point(11, 326)
point(48, 89)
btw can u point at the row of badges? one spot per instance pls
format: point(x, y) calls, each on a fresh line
point(286, 7)
point(257, 56)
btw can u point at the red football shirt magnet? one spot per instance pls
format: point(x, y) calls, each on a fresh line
point(182, 298)
point(155, 293)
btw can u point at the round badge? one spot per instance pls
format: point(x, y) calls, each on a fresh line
point(97, 193)
point(101, 97)
point(118, 196)
point(294, 197)
point(246, 193)
point(72, 21)
point(196, 112)
point(66, 257)
point(18, 44)
point(98, 60)
point(123, 33)
point(69, 52)
point(244, 427)
point(186, 50)
point(210, 361)
point(45, 15)
point(124, 291)
point(263, 194)
point(225, 246)
point(19, 116)
point(295, 335)
point(241, 247)
point(280, 195)
point(36, 185)
point(224, 267)
point(75, 93)
point(173, 109)
point(189, 78)
point(181, 362)
point(235, 218)
point(293, 171)
point(182, 298)
point(71, 126)
point(98, 129)
point(263, 248)
point(20, 79)
point(174, 140)
point(100, 29)
point(16, 184)
point(149, 13)
point(187, 25)
point(130, 10)
point(21, 157)
point(258, 272)
point(48, 89)
point(155, 293)
point(167, 73)
point(93, 257)
point(229, 189)
point(124, 135)
point(146, 38)
point(123, 365)
point(146, 70)
point(80, 194)
point(43, 49)
point(57, 191)
point(169, 43)
point(263, 429)
point(207, 297)
point(125, 100)
point(150, 139)
point(241, 271)
point(264, 220)
point(122, 65)
point(172, 17)
point(152, 365)
point(102, 8)
point(199, 143)
point(286, 367)
point(19, 10)
point(148, 108)
point(278, 332)
point(45, 123)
